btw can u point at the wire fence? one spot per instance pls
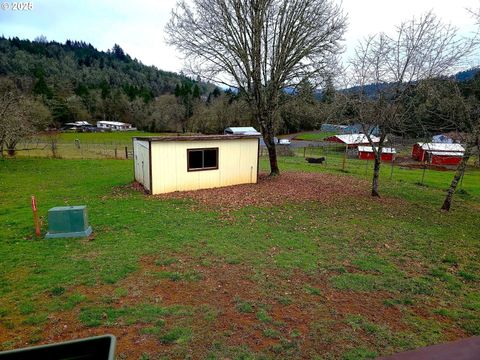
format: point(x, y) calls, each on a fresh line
point(402, 167)
point(74, 149)
point(336, 157)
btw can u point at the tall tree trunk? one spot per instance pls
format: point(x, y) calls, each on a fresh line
point(2, 146)
point(478, 153)
point(377, 151)
point(272, 156)
point(376, 175)
point(269, 138)
point(447, 203)
point(11, 145)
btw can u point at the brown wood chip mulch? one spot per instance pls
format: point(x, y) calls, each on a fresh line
point(288, 187)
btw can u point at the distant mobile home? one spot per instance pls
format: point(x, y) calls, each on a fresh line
point(115, 126)
point(182, 163)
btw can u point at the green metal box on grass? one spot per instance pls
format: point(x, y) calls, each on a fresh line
point(68, 221)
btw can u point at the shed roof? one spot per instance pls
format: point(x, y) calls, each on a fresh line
point(195, 137)
point(441, 147)
point(242, 130)
point(369, 149)
point(352, 139)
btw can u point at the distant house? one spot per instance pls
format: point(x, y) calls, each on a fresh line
point(352, 140)
point(77, 125)
point(442, 138)
point(438, 153)
point(341, 129)
point(366, 153)
point(115, 126)
point(241, 130)
point(349, 129)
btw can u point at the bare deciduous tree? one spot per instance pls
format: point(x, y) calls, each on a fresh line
point(385, 69)
point(259, 47)
point(20, 116)
point(166, 114)
point(459, 106)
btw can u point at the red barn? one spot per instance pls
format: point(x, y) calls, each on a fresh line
point(366, 153)
point(438, 153)
point(444, 158)
point(352, 140)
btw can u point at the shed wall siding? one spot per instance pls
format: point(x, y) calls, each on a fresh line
point(363, 155)
point(142, 163)
point(418, 153)
point(446, 160)
point(237, 164)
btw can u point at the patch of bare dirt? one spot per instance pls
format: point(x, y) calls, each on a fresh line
point(277, 190)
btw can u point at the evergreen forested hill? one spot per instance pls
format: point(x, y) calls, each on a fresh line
point(74, 81)
point(80, 82)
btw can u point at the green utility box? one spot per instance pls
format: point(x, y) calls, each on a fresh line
point(94, 348)
point(68, 221)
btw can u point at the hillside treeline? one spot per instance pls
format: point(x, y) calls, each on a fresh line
point(74, 82)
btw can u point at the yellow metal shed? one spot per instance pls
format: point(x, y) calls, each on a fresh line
point(180, 163)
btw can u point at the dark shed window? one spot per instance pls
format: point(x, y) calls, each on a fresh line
point(202, 159)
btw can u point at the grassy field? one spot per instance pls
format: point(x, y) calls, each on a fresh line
point(117, 137)
point(350, 279)
point(314, 136)
point(73, 145)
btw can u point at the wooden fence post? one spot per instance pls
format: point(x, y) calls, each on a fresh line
point(423, 174)
point(391, 171)
point(126, 152)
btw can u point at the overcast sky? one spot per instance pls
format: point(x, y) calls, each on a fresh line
point(138, 25)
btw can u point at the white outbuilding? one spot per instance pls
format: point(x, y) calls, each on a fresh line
point(241, 130)
point(166, 164)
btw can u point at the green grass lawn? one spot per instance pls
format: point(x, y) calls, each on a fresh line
point(314, 136)
point(118, 137)
point(353, 279)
